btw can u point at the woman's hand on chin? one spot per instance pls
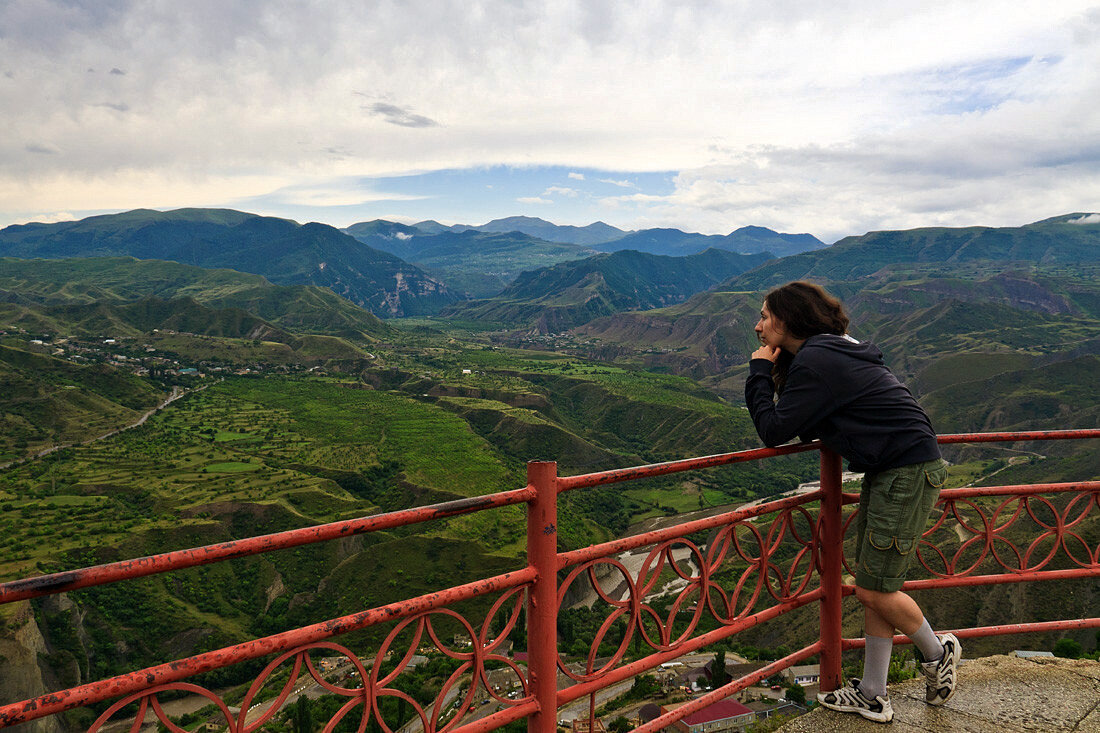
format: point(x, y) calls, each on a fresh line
point(771, 353)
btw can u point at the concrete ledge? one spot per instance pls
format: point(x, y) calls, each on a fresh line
point(1001, 694)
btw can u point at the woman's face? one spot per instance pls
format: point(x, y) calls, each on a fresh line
point(769, 330)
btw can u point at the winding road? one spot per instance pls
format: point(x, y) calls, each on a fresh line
point(172, 397)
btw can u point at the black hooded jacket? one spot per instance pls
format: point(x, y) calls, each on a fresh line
point(839, 390)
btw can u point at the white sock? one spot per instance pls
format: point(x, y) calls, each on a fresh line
point(925, 639)
point(876, 666)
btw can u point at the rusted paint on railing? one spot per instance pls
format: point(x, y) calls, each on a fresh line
point(614, 547)
point(567, 483)
point(1025, 577)
point(1002, 630)
point(977, 492)
point(43, 585)
point(972, 492)
point(542, 603)
point(625, 672)
point(182, 668)
point(726, 690)
point(1015, 437)
point(831, 537)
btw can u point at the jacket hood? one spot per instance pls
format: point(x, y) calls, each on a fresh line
point(845, 345)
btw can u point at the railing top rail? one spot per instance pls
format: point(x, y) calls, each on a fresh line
point(44, 585)
point(599, 478)
point(1013, 437)
point(616, 475)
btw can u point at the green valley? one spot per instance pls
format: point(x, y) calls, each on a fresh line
point(296, 406)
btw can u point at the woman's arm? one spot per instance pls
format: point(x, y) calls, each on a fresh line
point(805, 401)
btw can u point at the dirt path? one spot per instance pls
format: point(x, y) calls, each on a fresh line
point(172, 397)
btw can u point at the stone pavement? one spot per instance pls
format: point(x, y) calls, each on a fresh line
point(1001, 694)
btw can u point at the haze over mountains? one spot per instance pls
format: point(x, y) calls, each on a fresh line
point(606, 238)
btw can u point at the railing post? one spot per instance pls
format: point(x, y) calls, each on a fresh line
point(542, 600)
point(831, 537)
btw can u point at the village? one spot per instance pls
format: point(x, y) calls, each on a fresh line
point(141, 356)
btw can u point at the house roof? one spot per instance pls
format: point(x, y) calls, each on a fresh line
point(717, 711)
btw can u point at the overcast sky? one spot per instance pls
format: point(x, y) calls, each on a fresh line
point(832, 118)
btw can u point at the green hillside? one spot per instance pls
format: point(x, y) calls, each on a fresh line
point(283, 251)
point(705, 336)
point(145, 315)
point(556, 298)
point(46, 401)
point(479, 263)
point(303, 308)
point(1050, 242)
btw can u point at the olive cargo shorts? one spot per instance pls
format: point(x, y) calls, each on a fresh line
point(893, 511)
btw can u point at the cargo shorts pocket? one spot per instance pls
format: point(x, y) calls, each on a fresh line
point(884, 542)
point(902, 508)
point(937, 476)
point(883, 561)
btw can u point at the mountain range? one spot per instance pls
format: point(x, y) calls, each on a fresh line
point(595, 233)
point(1070, 239)
point(556, 298)
point(479, 263)
point(606, 238)
point(482, 260)
point(283, 251)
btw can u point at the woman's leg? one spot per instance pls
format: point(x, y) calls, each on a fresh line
point(884, 612)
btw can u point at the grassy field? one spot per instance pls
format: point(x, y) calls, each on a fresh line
point(238, 441)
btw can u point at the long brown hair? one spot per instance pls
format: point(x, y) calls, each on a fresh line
point(805, 310)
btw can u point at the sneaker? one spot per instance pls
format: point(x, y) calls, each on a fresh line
point(849, 699)
point(942, 674)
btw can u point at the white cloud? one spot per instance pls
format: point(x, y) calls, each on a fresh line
point(402, 235)
point(559, 191)
point(1086, 219)
point(51, 218)
point(533, 200)
point(620, 184)
point(335, 194)
point(844, 114)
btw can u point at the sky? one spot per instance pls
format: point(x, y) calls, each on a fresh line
point(832, 118)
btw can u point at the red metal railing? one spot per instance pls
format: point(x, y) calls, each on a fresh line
point(748, 571)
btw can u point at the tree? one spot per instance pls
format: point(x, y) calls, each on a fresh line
point(302, 718)
point(1067, 649)
point(718, 674)
point(620, 725)
point(796, 693)
point(644, 686)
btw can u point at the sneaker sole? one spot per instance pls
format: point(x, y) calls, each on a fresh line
point(868, 714)
point(956, 655)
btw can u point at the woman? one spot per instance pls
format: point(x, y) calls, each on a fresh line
point(838, 390)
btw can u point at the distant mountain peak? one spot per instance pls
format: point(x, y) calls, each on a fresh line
point(518, 220)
